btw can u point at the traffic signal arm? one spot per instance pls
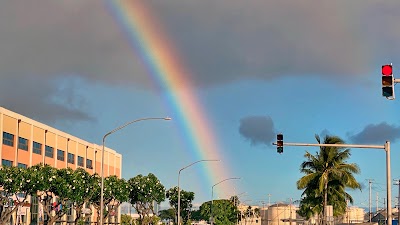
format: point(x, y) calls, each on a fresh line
point(334, 145)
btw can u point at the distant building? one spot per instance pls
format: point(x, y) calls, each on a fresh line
point(353, 215)
point(381, 216)
point(249, 215)
point(279, 214)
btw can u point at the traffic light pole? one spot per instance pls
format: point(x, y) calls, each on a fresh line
point(385, 147)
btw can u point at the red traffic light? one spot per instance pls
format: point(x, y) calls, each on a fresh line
point(387, 70)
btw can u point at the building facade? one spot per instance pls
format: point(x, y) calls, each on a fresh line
point(353, 215)
point(26, 142)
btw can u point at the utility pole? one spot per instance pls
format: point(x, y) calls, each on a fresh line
point(290, 212)
point(377, 202)
point(398, 200)
point(269, 200)
point(269, 205)
point(370, 197)
point(384, 206)
point(385, 147)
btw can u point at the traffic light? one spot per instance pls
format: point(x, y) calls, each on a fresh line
point(387, 82)
point(279, 143)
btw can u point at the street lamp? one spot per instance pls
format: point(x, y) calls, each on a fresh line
point(179, 190)
point(212, 195)
point(102, 159)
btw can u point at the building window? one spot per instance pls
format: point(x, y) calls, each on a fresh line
point(49, 151)
point(23, 143)
point(89, 164)
point(5, 162)
point(37, 148)
point(8, 139)
point(21, 165)
point(80, 161)
point(60, 155)
point(71, 158)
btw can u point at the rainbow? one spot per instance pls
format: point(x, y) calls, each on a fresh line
point(167, 70)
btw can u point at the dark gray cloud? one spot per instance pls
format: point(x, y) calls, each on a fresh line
point(218, 41)
point(229, 40)
point(376, 134)
point(257, 129)
point(53, 38)
point(43, 100)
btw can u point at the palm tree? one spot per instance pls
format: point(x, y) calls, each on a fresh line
point(327, 175)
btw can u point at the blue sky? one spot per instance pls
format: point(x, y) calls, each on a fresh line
point(259, 67)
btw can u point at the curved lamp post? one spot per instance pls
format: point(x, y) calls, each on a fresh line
point(179, 190)
point(212, 195)
point(102, 158)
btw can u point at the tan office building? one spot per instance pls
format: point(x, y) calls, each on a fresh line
point(26, 142)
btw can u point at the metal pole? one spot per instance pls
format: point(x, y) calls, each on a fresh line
point(179, 199)
point(388, 185)
point(398, 199)
point(370, 196)
point(269, 200)
point(212, 203)
point(290, 212)
point(335, 145)
point(264, 212)
point(179, 190)
point(212, 196)
point(384, 206)
point(386, 147)
point(102, 159)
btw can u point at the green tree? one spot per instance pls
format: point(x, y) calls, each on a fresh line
point(115, 192)
point(257, 212)
point(224, 212)
point(51, 183)
point(235, 200)
point(187, 198)
point(167, 214)
point(15, 184)
point(126, 219)
point(196, 215)
point(81, 192)
point(144, 192)
point(327, 175)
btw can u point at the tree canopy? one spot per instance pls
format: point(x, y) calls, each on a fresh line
point(144, 191)
point(187, 198)
point(223, 212)
point(327, 175)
